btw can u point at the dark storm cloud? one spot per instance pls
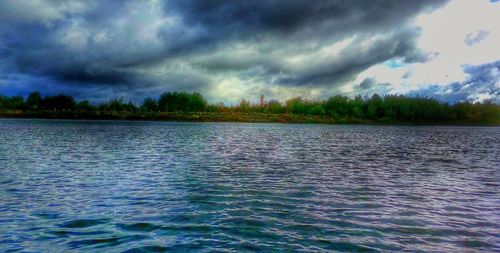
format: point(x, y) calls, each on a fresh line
point(367, 83)
point(319, 23)
point(36, 47)
point(483, 80)
point(227, 62)
point(370, 86)
point(286, 17)
point(134, 44)
point(354, 59)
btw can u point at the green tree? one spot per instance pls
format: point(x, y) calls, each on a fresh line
point(274, 106)
point(337, 106)
point(59, 102)
point(85, 106)
point(33, 101)
point(196, 102)
point(181, 102)
point(13, 103)
point(244, 105)
point(149, 104)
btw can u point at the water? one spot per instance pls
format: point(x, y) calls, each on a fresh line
point(155, 186)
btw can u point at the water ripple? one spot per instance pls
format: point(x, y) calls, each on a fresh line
point(160, 187)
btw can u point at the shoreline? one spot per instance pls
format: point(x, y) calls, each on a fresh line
point(230, 117)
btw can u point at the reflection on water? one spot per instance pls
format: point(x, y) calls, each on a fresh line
point(155, 186)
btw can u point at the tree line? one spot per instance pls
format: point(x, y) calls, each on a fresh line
point(385, 109)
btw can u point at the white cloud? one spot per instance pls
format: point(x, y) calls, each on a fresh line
point(444, 32)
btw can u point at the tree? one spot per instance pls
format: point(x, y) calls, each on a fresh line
point(244, 105)
point(196, 103)
point(274, 106)
point(33, 101)
point(12, 103)
point(295, 105)
point(129, 107)
point(374, 107)
point(337, 106)
point(149, 105)
point(181, 102)
point(85, 106)
point(59, 102)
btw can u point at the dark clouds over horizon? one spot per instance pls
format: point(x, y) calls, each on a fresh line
point(226, 49)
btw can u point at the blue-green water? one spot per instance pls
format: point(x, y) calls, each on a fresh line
point(222, 187)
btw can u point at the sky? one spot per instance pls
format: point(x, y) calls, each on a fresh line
point(229, 50)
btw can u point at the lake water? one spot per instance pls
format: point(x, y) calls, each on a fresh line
point(226, 187)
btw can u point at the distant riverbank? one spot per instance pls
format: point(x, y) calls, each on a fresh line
point(216, 117)
point(175, 116)
point(183, 106)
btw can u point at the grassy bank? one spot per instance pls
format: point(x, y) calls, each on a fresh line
point(216, 117)
point(173, 116)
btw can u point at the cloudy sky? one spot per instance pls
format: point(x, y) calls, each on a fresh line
point(229, 50)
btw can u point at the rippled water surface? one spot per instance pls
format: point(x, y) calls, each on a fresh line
point(155, 186)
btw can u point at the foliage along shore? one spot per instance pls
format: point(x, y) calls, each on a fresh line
point(182, 106)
